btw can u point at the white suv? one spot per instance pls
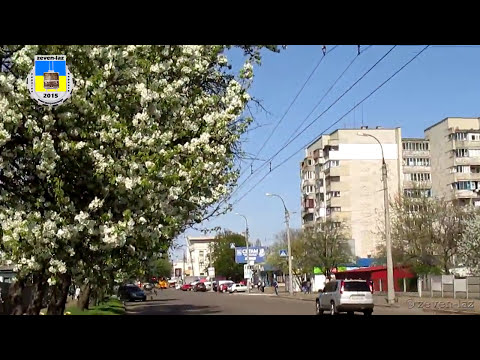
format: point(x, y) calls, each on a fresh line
point(345, 296)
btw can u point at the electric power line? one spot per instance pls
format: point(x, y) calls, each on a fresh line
point(284, 114)
point(328, 91)
point(314, 120)
point(333, 124)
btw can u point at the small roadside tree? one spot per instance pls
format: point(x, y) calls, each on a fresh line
point(469, 244)
point(223, 257)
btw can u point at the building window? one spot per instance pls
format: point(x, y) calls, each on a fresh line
point(331, 163)
point(417, 177)
point(474, 152)
point(461, 153)
point(416, 161)
point(465, 185)
point(474, 137)
point(462, 169)
point(417, 193)
point(475, 169)
point(333, 209)
point(309, 203)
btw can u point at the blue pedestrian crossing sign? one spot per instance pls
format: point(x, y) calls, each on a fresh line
point(283, 253)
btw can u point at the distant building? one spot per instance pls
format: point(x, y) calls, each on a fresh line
point(342, 181)
point(197, 255)
point(341, 176)
point(455, 154)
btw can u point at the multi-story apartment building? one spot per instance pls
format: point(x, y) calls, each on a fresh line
point(417, 177)
point(342, 181)
point(455, 159)
point(341, 174)
point(197, 255)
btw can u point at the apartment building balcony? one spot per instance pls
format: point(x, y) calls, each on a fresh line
point(415, 153)
point(337, 171)
point(410, 184)
point(337, 186)
point(465, 144)
point(335, 202)
point(466, 176)
point(466, 194)
point(306, 210)
point(416, 169)
point(339, 216)
point(319, 212)
point(306, 182)
point(467, 160)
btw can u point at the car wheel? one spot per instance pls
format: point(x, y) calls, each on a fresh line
point(234, 291)
point(318, 311)
point(350, 313)
point(368, 312)
point(332, 309)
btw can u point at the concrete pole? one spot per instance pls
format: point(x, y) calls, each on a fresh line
point(248, 256)
point(248, 251)
point(290, 273)
point(390, 280)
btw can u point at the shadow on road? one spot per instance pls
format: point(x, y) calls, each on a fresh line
point(152, 308)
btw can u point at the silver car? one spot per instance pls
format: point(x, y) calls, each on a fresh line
point(345, 296)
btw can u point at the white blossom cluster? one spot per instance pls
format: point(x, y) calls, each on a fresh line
point(143, 146)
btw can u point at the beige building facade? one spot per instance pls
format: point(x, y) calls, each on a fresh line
point(197, 255)
point(455, 157)
point(341, 174)
point(342, 181)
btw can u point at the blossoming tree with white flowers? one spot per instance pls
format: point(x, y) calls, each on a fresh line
point(143, 149)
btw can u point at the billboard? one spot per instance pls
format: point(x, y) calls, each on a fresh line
point(178, 273)
point(255, 254)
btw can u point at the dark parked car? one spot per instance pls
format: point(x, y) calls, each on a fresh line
point(131, 293)
point(200, 287)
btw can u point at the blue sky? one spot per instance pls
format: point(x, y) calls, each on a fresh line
point(441, 82)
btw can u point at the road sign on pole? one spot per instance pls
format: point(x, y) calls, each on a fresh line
point(283, 253)
point(211, 272)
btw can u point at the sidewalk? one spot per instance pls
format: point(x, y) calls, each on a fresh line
point(406, 302)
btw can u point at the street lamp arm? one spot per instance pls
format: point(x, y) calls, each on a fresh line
point(376, 139)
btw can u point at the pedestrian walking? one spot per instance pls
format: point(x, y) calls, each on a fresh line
point(1, 302)
point(309, 287)
point(275, 286)
point(77, 293)
point(324, 49)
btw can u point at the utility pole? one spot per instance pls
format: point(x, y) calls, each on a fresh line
point(388, 240)
point(287, 222)
point(184, 261)
point(290, 273)
point(248, 253)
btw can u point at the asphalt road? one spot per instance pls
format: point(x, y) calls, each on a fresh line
point(176, 302)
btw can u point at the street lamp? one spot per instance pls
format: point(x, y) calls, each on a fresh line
point(248, 254)
point(390, 281)
point(287, 217)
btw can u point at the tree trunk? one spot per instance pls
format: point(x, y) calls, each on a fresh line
point(39, 289)
point(16, 297)
point(84, 299)
point(59, 295)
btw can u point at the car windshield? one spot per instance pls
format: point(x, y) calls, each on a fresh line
point(133, 288)
point(356, 286)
